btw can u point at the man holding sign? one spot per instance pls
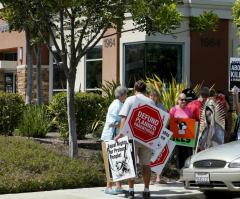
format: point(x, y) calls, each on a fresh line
point(144, 153)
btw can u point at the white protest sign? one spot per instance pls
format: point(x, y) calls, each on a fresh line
point(158, 165)
point(234, 73)
point(121, 159)
point(158, 147)
point(145, 123)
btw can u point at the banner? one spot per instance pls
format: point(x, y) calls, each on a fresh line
point(184, 131)
point(158, 165)
point(234, 73)
point(212, 124)
point(120, 164)
point(145, 124)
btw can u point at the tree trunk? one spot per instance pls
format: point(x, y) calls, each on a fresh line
point(38, 75)
point(29, 68)
point(73, 146)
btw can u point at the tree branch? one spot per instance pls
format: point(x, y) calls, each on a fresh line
point(79, 43)
point(63, 43)
point(84, 50)
point(46, 17)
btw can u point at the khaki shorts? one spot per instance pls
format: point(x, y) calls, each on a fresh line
point(144, 153)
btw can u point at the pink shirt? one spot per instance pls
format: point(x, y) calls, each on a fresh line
point(177, 112)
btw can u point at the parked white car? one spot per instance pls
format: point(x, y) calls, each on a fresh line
point(215, 169)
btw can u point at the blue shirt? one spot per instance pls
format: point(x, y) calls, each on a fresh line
point(111, 118)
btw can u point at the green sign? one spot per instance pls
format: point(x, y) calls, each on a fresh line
point(186, 141)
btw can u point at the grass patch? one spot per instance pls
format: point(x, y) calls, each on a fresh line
point(27, 166)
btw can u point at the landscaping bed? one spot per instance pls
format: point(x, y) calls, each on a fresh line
point(27, 166)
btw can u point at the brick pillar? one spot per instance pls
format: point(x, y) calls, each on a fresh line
point(22, 82)
point(2, 80)
point(21, 79)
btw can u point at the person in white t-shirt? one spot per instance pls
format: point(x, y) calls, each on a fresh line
point(144, 154)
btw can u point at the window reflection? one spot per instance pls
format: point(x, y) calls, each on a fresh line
point(147, 59)
point(94, 68)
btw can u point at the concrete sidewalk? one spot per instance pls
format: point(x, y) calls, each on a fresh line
point(171, 190)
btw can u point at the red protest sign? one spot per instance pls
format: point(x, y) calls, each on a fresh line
point(146, 123)
point(158, 165)
point(162, 157)
point(182, 128)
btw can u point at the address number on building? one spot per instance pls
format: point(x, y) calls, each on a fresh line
point(109, 43)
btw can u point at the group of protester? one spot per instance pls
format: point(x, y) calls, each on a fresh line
point(187, 106)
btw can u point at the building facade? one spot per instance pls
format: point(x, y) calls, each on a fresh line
point(187, 56)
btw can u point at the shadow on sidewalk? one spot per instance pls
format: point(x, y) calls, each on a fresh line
point(169, 194)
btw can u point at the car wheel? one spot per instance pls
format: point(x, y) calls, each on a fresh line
point(219, 194)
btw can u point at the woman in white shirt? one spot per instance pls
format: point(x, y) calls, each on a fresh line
point(111, 129)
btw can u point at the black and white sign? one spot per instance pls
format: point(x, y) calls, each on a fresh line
point(234, 73)
point(121, 159)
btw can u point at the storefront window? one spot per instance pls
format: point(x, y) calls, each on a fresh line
point(147, 59)
point(94, 68)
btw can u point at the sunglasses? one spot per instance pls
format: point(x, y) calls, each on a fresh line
point(183, 100)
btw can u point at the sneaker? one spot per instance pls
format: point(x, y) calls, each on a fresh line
point(119, 190)
point(110, 191)
point(129, 194)
point(146, 195)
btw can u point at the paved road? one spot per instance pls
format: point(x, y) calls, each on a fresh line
point(170, 191)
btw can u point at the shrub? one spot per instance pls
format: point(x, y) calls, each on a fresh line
point(108, 92)
point(88, 107)
point(35, 122)
point(11, 107)
point(27, 166)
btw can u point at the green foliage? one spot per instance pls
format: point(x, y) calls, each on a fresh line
point(236, 17)
point(168, 92)
point(58, 110)
point(11, 108)
point(27, 166)
point(108, 89)
point(205, 22)
point(236, 12)
point(88, 107)
point(156, 16)
point(35, 122)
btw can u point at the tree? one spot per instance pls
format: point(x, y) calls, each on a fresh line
point(80, 24)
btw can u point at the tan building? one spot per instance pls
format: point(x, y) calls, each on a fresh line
point(13, 68)
point(127, 57)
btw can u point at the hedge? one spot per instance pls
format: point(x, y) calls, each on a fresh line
point(11, 109)
point(89, 107)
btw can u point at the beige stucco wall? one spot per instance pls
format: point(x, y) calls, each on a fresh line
point(110, 55)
